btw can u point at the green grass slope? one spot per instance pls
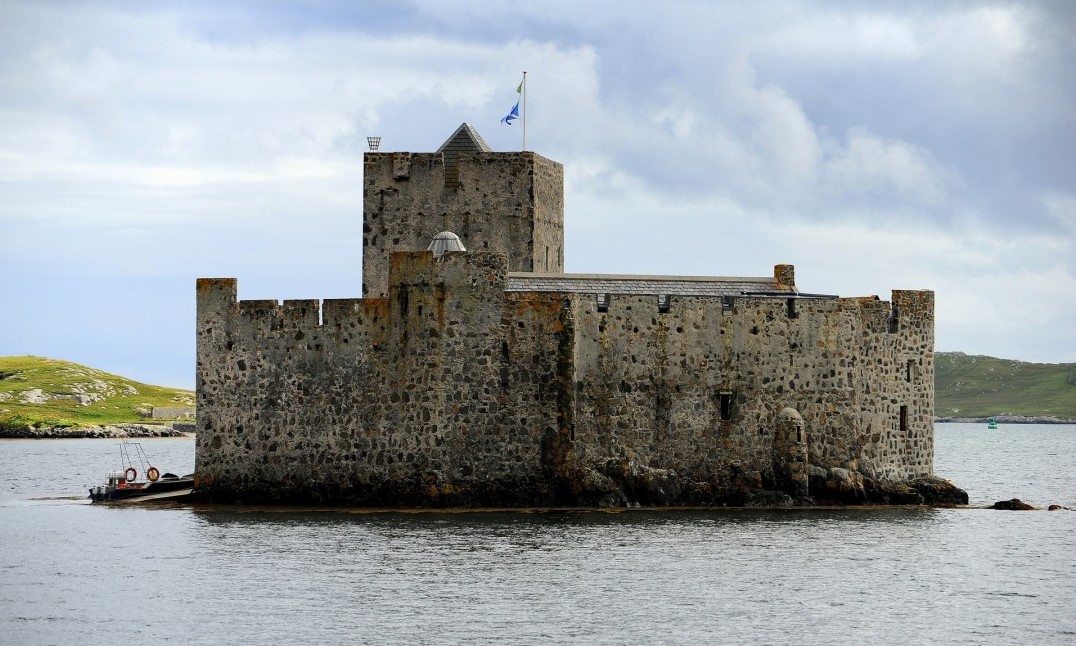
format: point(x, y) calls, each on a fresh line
point(976, 386)
point(42, 392)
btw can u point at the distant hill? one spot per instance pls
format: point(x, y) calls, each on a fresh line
point(39, 393)
point(977, 386)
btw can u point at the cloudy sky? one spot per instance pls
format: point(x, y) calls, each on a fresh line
point(874, 145)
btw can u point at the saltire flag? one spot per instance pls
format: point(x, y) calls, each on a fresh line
point(513, 114)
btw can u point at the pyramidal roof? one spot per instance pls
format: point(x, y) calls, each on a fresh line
point(465, 140)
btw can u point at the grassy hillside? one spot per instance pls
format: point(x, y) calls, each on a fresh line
point(51, 393)
point(975, 386)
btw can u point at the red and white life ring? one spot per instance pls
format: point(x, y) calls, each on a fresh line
point(152, 473)
point(130, 474)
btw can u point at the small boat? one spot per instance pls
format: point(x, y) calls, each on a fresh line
point(125, 486)
point(992, 423)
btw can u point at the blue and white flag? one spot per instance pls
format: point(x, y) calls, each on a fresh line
point(512, 115)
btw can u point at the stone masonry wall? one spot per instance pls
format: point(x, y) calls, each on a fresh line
point(450, 390)
point(651, 384)
point(511, 203)
point(437, 394)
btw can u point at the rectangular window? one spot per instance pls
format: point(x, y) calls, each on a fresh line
point(903, 419)
point(893, 321)
point(664, 300)
point(792, 308)
point(726, 406)
point(727, 303)
point(908, 370)
point(603, 302)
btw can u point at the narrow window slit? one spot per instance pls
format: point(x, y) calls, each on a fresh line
point(726, 406)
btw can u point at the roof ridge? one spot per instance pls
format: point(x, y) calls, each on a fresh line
point(642, 277)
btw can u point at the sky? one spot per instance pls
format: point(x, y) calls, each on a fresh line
point(875, 146)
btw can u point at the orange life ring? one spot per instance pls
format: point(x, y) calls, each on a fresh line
point(152, 473)
point(130, 474)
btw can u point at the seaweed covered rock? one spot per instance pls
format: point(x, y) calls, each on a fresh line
point(1012, 505)
point(937, 491)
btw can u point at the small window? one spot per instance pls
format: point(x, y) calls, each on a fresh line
point(903, 419)
point(908, 368)
point(726, 406)
point(727, 302)
point(893, 321)
point(603, 302)
point(791, 303)
point(664, 300)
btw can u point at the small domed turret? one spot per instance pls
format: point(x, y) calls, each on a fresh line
point(445, 241)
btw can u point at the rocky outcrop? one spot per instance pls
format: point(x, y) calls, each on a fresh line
point(109, 431)
point(1012, 505)
point(846, 487)
point(627, 483)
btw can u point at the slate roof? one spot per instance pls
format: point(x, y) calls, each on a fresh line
point(645, 285)
point(465, 140)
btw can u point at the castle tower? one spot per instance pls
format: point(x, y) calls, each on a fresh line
point(511, 203)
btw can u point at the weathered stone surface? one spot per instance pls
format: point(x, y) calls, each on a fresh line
point(936, 491)
point(507, 202)
point(33, 396)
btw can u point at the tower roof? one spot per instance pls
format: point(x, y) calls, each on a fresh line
point(465, 140)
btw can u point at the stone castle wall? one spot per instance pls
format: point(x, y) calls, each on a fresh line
point(511, 203)
point(451, 390)
point(437, 388)
point(699, 389)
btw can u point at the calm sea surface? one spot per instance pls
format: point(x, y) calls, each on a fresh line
point(72, 573)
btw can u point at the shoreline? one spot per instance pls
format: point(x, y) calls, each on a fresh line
point(108, 431)
point(1005, 419)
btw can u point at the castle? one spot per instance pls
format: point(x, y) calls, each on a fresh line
point(475, 372)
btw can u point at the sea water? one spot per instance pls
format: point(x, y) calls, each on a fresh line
point(75, 573)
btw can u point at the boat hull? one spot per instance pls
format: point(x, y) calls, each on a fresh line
point(163, 488)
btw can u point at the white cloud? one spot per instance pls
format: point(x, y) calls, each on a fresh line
point(844, 39)
point(984, 41)
point(1062, 207)
point(868, 166)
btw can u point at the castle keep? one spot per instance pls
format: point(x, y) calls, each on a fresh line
point(487, 376)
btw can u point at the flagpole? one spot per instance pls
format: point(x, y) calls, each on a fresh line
point(524, 110)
